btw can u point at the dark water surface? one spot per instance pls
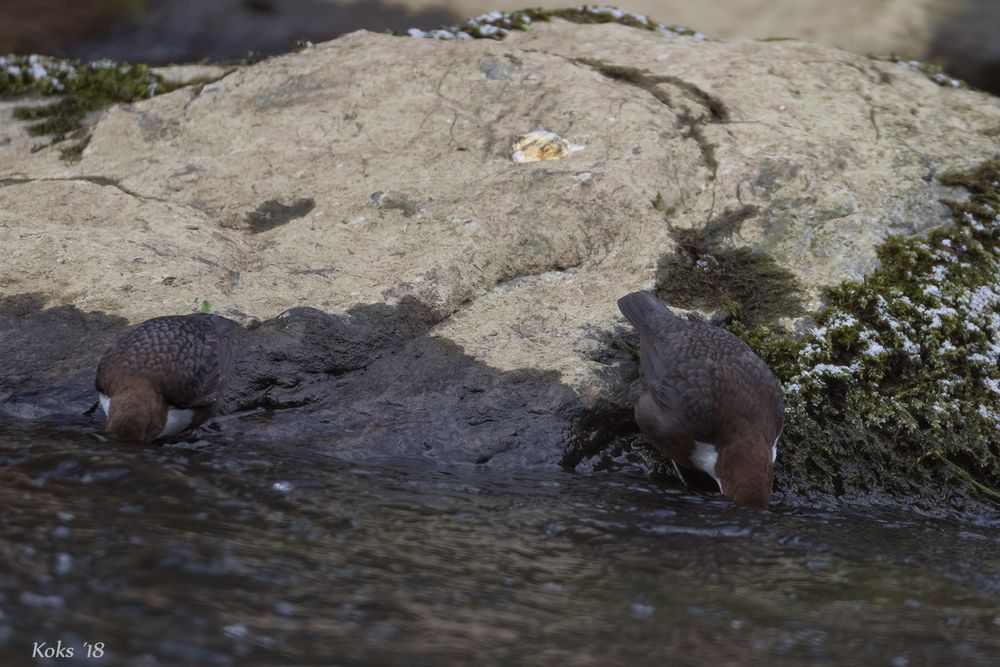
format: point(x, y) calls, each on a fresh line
point(206, 553)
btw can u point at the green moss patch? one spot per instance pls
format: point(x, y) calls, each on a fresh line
point(896, 391)
point(497, 25)
point(81, 88)
point(704, 275)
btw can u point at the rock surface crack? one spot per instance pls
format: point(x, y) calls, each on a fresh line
point(715, 110)
point(103, 181)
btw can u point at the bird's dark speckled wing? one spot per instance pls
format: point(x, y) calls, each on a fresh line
point(746, 385)
point(680, 379)
point(187, 356)
point(699, 370)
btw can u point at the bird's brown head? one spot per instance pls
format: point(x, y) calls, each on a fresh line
point(746, 470)
point(138, 411)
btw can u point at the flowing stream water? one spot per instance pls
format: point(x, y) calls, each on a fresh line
point(207, 553)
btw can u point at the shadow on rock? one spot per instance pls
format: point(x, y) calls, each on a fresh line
point(370, 383)
point(294, 359)
point(374, 383)
point(50, 356)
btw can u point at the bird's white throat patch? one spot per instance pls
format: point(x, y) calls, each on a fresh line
point(704, 457)
point(105, 403)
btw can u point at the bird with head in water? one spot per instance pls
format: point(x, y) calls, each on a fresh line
point(165, 375)
point(708, 401)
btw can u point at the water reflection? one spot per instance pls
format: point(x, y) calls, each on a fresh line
point(211, 553)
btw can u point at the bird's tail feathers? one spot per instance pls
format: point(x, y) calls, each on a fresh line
point(638, 307)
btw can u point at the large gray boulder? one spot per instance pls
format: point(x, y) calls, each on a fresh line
point(371, 178)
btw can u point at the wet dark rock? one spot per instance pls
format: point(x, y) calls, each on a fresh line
point(371, 382)
point(50, 356)
point(292, 359)
point(425, 398)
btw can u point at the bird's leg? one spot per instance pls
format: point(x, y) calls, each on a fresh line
point(699, 483)
point(677, 471)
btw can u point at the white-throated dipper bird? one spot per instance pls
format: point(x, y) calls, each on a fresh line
point(708, 402)
point(164, 375)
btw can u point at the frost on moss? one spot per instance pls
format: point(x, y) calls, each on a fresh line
point(81, 87)
point(497, 25)
point(896, 391)
point(933, 72)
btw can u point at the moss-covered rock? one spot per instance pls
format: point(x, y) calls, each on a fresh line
point(896, 389)
point(497, 25)
point(932, 71)
point(81, 88)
